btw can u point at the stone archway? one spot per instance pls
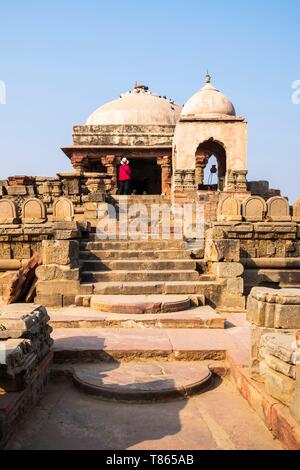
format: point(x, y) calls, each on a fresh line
point(204, 152)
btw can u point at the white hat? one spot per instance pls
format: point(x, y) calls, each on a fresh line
point(124, 160)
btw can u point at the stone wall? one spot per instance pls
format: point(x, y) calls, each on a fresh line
point(269, 235)
point(123, 135)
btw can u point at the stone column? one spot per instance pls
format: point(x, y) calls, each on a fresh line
point(201, 162)
point(166, 173)
point(109, 161)
point(80, 163)
point(236, 180)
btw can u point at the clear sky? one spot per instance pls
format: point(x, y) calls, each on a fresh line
point(60, 60)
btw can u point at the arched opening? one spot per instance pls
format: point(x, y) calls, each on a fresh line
point(210, 166)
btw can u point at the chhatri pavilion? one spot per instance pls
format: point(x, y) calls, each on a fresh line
point(169, 146)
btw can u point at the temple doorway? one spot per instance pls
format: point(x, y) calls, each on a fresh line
point(146, 176)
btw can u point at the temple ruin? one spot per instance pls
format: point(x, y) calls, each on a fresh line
point(247, 259)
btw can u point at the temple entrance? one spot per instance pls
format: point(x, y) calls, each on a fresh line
point(146, 176)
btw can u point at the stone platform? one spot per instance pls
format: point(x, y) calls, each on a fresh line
point(84, 317)
point(121, 344)
point(141, 304)
point(154, 381)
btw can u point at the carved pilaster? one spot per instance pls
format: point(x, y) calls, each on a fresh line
point(80, 163)
point(166, 173)
point(201, 162)
point(236, 180)
point(184, 180)
point(110, 162)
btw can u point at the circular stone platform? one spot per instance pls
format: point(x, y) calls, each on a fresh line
point(139, 304)
point(142, 382)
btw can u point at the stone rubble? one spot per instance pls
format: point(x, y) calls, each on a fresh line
point(24, 342)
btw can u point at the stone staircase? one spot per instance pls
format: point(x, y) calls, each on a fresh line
point(143, 333)
point(145, 268)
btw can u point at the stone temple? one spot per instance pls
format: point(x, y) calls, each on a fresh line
point(159, 298)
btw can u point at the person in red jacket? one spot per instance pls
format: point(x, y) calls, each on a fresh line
point(124, 176)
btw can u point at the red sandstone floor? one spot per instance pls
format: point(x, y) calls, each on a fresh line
point(217, 419)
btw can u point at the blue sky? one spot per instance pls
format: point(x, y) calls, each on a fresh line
point(60, 60)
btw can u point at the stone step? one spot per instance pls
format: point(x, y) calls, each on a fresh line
point(145, 236)
point(133, 254)
point(141, 304)
point(137, 265)
point(139, 197)
point(210, 288)
point(134, 344)
point(131, 382)
point(139, 276)
point(83, 317)
point(133, 245)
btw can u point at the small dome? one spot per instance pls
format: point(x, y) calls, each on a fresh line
point(208, 102)
point(138, 107)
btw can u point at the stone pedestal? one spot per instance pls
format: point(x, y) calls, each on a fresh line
point(58, 277)
point(223, 259)
point(275, 318)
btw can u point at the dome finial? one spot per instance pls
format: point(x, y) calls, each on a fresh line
point(139, 88)
point(207, 77)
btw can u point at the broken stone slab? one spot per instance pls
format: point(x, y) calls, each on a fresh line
point(19, 361)
point(277, 364)
point(256, 334)
point(281, 345)
point(22, 281)
point(22, 320)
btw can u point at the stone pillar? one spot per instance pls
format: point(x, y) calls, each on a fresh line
point(80, 163)
point(166, 173)
point(109, 161)
point(201, 162)
point(236, 180)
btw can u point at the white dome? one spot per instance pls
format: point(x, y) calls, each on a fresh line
point(208, 102)
point(138, 107)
